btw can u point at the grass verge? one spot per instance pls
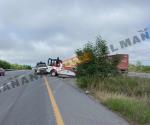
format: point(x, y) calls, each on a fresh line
point(128, 96)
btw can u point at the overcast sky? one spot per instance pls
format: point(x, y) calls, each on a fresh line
point(34, 30)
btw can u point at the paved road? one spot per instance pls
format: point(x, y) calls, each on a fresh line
point(50, 101)
point(13, 74)
point(141, 75)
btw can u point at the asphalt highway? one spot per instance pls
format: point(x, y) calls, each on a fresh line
point(46, 100)
point(141, 75)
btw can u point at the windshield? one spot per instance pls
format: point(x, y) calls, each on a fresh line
point(41, 65)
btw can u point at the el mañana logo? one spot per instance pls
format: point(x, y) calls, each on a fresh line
point(143, 36)
point(18, 82)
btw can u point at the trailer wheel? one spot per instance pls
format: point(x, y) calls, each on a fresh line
point(53, 73)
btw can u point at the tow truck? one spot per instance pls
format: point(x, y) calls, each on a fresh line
point(55, 68)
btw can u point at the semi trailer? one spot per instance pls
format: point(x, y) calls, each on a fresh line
point(123, 65)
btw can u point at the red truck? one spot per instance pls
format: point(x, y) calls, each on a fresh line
point(124, 62)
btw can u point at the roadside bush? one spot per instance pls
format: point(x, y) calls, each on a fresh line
point(88, 82)
point(94, 60)
point(129, 96)
point(20, 67)
point(120, 84)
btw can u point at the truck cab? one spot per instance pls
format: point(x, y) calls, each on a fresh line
point(54, 66)
point(41, 68)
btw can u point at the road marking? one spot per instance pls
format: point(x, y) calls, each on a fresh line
point(59, 119)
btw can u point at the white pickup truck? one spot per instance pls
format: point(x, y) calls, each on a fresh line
point(41, 68)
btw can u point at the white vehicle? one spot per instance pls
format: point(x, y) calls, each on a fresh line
point(41, 68)
point(55, 68)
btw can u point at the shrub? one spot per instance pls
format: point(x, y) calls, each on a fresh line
point(129, 86)
point(94, 60)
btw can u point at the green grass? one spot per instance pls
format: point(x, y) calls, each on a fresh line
point(126, 95)
point(134, 68)
point(121, 84)
point(134, 110)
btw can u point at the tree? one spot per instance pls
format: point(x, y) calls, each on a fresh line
point(138, 66)
point(94, 60)
point(5, 64)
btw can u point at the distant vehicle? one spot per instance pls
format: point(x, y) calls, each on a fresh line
point(2, 72)
point(41, 68)
point(55, 68)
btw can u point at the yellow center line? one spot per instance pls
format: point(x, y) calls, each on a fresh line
point(59, 119)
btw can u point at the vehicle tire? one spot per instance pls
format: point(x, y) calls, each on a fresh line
point(35, 71)
point(53, 73)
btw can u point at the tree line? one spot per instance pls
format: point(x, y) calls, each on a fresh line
point(138, 67)
point(6, 65)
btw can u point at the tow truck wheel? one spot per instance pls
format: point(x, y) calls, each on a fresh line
point(53, 73)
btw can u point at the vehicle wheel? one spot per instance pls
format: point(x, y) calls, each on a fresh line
point(53, 73)
point(35, 71)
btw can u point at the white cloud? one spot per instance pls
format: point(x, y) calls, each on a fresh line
point(34, 30)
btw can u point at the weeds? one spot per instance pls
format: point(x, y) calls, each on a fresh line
point(126, 95)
